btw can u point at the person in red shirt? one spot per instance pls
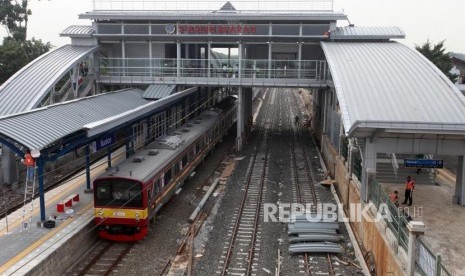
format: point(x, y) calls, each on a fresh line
point(394, 198)
point(409, 187)
point(30, 164)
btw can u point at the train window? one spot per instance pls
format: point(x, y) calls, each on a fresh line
point(118, 193)
point(157, 186)
point(176, 168)
point(197, 149)
point(167, 176)
point(184, 161)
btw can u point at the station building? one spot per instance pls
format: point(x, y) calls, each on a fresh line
point(375, 100)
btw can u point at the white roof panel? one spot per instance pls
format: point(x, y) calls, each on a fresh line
point(388, 85)
point(78, 31)
point(27, 87)
point(364, 33)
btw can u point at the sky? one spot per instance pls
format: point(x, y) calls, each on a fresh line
point(421, 20)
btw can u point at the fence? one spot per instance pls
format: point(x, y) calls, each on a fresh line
point(396, 218)
point(214, 5)
point(429, 264)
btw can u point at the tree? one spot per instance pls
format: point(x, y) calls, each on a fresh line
point(437, 55)
point(13, 17)
point(16, 51)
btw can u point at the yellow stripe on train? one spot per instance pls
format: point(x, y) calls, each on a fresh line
point(121, 213)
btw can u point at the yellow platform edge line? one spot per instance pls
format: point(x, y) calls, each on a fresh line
point(33, 246)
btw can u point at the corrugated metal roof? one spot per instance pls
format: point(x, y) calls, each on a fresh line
point(26, 89)
point(41, 127)
point(158, 91)
point(388, 85)
point(78, 31)
point(359, 32)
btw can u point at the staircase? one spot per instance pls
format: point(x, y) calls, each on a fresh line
point(385, 171)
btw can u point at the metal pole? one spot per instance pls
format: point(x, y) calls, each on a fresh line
point(40, 172)
point(438, 265)
point(87, 167)
point(109, 156)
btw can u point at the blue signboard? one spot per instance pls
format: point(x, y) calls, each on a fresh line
point(423, 163)
point(104, 142)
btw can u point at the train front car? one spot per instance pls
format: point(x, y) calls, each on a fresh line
point(120, 209)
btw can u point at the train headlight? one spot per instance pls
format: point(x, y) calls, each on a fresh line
point(137, 216)
point(100, 213)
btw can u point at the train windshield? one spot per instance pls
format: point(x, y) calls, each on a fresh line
point(118, 193)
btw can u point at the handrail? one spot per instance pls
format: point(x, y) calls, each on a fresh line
point(250, 68)
point(239, 6)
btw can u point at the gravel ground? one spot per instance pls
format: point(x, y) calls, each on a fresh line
point(150, 255)
point(273, 235)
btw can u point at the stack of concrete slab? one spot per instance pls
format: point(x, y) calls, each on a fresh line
point(306, 235)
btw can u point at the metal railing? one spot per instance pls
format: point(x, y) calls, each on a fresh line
point(429, 264)
point(241, 6)
point(396, 218)
point(357, 165)
point(284, 69)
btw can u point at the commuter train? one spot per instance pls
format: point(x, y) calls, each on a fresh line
point(127, 197)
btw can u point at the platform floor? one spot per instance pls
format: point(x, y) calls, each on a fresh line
point(445, 221)
point(23, 248)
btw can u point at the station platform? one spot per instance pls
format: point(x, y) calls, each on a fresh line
point(444, 220)
point(39, 250)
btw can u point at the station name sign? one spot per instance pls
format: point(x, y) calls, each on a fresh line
point(423, 163)
point(104, 142)
point(226, 29)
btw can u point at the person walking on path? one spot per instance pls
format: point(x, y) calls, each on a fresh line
point(30, 164)
point(409, 187)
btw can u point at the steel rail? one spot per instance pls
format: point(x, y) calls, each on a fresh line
point(244, 200)
point(297, 182)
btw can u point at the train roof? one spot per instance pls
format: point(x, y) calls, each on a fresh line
point(149, 161)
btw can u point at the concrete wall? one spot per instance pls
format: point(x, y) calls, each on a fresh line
point(373, 237)
point(67, 253)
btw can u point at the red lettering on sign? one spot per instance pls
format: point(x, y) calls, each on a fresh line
point(253, 29)
point(217, 29)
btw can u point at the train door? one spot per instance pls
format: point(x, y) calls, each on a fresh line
point(138, 134)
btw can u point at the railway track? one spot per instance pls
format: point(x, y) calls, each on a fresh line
point(241, 250)
point(304, 192)
point(102, 259)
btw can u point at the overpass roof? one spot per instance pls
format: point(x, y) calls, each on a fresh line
point(29, 86)
point(208, 16)
point(78, 31)
point(386, 87)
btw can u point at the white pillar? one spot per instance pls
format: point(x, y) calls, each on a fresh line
point(178, 59)
point(240, 60)
point(416, 229)
point(459, 197)
point(209, 50)
point(269, 59)
point(369, 167)
point(123, 57)
point(240, 118)
point(299, 59)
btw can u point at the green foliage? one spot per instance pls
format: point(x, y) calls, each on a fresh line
point(13, 16)
point(437, 55)
point(16, 51)
point(15, 54)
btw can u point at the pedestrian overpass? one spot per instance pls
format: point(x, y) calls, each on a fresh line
point(243, 44)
